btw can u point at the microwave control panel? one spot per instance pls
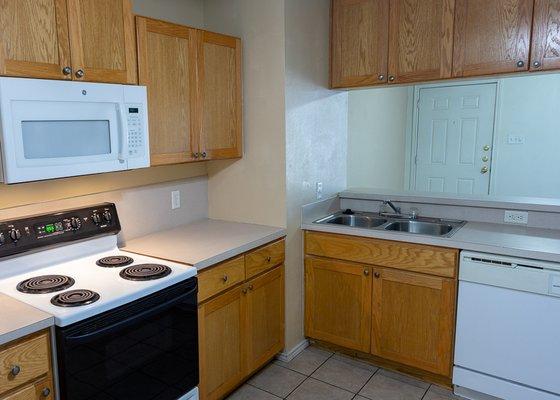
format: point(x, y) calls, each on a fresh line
point(25, 234)
point(136, 129)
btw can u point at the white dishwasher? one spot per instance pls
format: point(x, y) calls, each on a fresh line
point(508, 328)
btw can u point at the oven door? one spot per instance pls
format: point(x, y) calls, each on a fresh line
point(147, 349)
point(59, 129)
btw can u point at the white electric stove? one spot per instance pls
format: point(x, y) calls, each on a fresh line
point(126, 324)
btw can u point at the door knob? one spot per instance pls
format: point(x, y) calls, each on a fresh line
point(80, 73)
point(484, 170)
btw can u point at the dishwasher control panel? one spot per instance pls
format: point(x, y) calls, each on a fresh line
point(554, 287)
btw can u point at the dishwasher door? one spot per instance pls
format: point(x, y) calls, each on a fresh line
point(509, 333)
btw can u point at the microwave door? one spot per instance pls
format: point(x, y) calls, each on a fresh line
point(61, 139)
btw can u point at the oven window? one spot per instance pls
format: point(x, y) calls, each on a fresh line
point(152, 357)
point(59, 139)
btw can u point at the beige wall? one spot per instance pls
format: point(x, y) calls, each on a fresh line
point(253, 189)
point(182, 11)
point(316, 127)
point(186, 12)
point(377, 121)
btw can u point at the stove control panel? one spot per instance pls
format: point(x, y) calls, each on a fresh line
point(24, 234)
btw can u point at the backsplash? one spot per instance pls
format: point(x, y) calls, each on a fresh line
point(142, 210)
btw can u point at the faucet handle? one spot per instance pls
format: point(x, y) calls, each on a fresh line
point(414, 213)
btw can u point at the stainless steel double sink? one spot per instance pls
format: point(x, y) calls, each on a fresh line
point(395, 223)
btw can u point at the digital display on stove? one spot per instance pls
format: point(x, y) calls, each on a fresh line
point(50, 228)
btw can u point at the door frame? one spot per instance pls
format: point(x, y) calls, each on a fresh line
point(411, 133)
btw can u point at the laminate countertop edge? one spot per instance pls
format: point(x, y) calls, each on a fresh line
point(537, 244)
point(18, 319)
point(205, 243)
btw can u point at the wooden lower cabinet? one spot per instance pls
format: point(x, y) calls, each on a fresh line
point(413, 319)
point(40, 390)
point(338, 302)
point(239, 331)
point(402, 313)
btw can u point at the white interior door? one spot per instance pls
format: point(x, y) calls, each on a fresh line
point(454, 140)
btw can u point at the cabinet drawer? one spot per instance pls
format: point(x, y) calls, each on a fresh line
point(31, 357)
point(219, 278)
point(408, 256)
point(264, 258)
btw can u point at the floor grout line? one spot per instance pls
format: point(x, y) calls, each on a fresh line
point(309, 376)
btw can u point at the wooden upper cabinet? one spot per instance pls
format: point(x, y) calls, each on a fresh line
point(359, 42)
point(420, 40)
point(491, 37)
point(545, 47)
point(413, 319)
point(167, 66)
point(34, 38)
point(102, 40)
point(219, 79)
point(338, 302)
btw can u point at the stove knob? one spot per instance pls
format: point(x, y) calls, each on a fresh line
point(96, 218)
point(2, 238)
point(75, 223)
point(107, 216)
point(15, 235)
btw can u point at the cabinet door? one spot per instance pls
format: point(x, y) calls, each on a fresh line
point(102, 40)
point(219, 79)
point(34, 39)
point(167, 66)
point(413, 319)
point(265, 317)
point(420, 40)
point(338, 302)
point(359, 42)
point(222, 344)
point(545, 50)
point(491, 37)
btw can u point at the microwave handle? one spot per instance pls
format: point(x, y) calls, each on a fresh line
point(123, 127)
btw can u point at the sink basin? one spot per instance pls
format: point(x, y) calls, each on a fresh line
point(424, 228)
point(356, 221)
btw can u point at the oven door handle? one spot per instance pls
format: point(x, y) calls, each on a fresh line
point(77, 339)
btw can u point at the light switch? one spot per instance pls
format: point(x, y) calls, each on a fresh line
point(175, 199)
point(516, 139)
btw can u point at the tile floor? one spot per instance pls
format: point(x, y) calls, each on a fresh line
point(320, 374)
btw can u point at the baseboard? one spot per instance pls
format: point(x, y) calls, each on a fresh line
point(287, 356)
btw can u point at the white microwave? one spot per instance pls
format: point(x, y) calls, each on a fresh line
point(54, 129)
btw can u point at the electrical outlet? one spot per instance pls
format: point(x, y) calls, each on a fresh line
point(516, 217)
point(516, 139)
point(175, 199)
point(319, 190)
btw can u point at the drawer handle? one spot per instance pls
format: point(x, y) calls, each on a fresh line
point(225, 278)
point(268, 259)
point(16, 369)
point(45, 392)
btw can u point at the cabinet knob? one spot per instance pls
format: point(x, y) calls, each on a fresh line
point(251, 287)
point(377, 275)
point(484, 169)
point(381, 77)
point(66, 70)
point(203, 154)
point(16, 369)
point(366, 272)
point(45, 392)
point(536, 64)
point(391, 78)
point(268, 259)
point(520, 64)
point(80, 73)
point(225, 278)
point(195, 155)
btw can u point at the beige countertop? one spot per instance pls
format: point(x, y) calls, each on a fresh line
point(18, 319)
point(501, 239)
point(204, 243)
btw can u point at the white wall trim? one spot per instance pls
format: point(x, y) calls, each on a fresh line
point(289, 355)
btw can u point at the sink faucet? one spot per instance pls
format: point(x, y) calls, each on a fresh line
point(389, 203)
point(413, 214)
